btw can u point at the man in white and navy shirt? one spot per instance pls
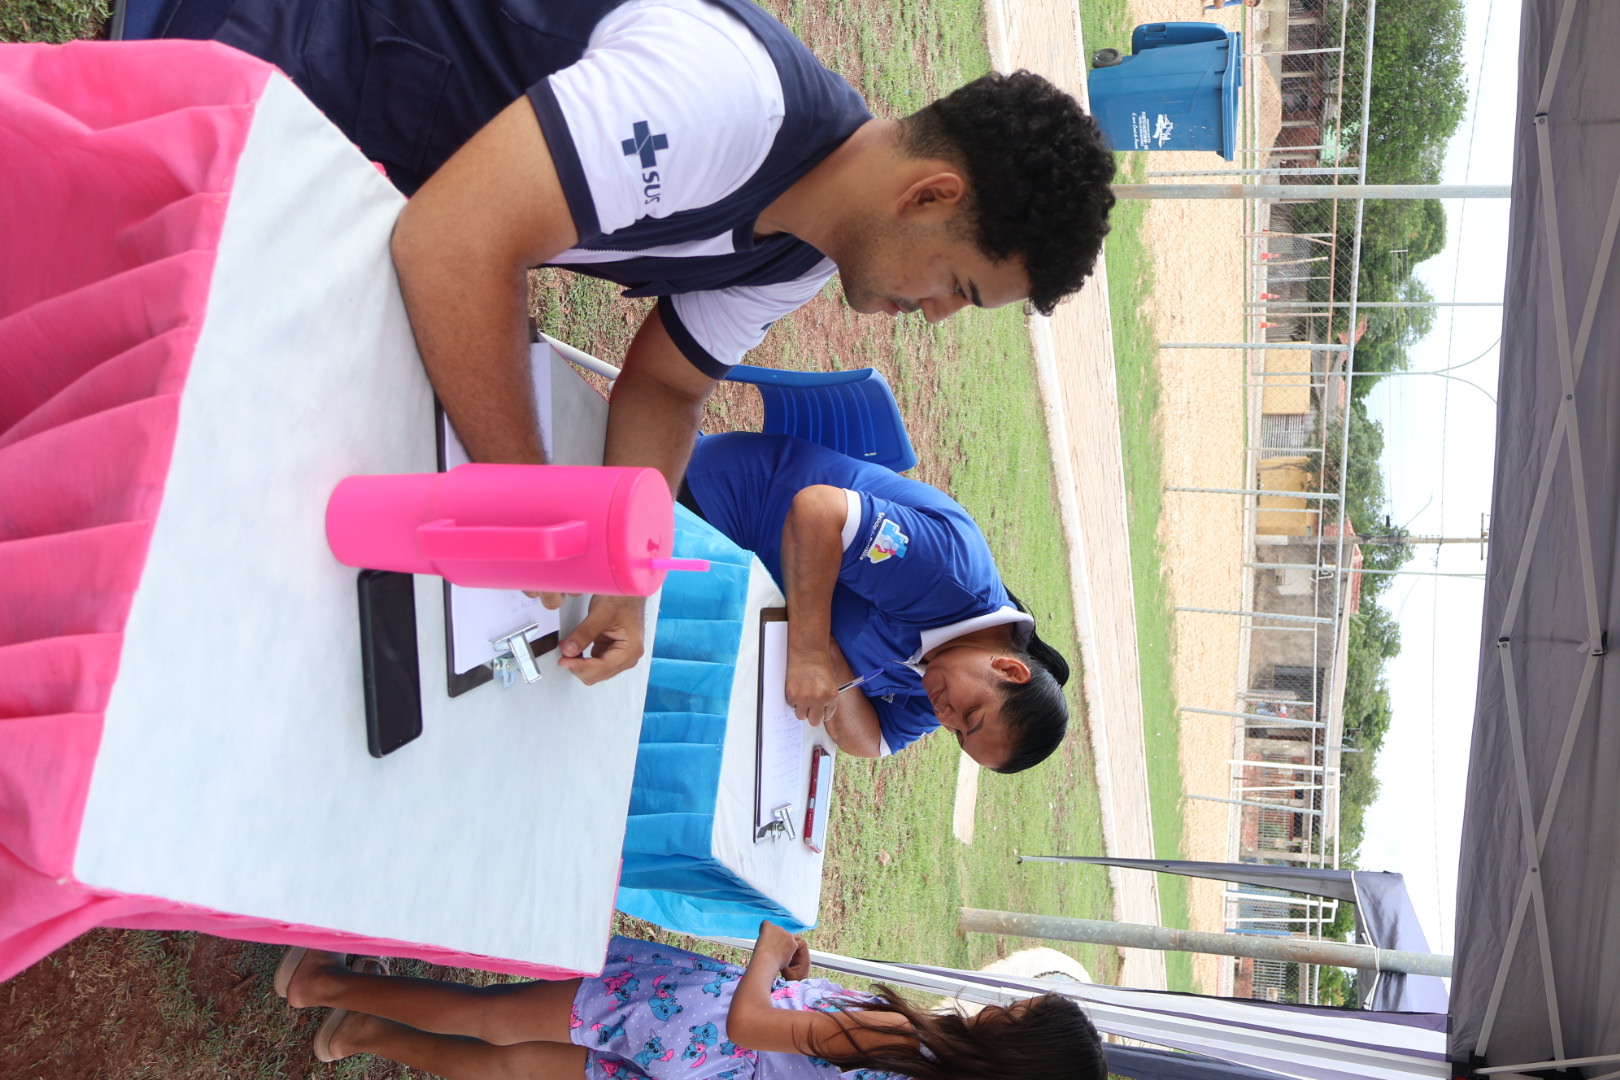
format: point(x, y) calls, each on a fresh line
point(692, 150)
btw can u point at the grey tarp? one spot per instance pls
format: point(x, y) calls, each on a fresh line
point(1537, 971)
point(1384, 915)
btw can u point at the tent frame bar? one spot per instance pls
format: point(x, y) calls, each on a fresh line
point(1555, 1063)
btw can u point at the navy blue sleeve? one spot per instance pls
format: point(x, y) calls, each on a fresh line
point(687, 342)
point(565, 157)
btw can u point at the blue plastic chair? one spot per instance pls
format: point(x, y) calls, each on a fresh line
point(853, 412)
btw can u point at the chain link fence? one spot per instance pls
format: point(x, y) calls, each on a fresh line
point(1301, 577)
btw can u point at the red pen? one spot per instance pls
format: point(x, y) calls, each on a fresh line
point(815, 825)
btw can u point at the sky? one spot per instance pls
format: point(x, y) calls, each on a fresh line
point(1439, 435)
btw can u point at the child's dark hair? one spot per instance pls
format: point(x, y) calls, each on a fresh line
point(1035, 712)
point(1041, 1038)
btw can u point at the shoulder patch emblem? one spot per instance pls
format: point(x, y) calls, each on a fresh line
point(887, 541)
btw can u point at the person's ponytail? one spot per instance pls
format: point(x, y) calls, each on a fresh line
point(1035, 713)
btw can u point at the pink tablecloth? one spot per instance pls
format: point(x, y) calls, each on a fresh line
point(118, 166)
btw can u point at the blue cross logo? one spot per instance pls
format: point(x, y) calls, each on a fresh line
point(645, 143)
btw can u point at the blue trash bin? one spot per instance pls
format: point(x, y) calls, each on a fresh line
point(1176, 91)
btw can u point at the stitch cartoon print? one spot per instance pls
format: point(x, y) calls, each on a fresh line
point(643, 1019)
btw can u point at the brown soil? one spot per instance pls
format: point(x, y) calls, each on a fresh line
point(138, 1005)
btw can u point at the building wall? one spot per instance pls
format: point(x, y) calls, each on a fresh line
point(1288, 373)
point(1280, 592)
point(1278, 514)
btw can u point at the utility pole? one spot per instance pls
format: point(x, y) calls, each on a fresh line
point(1404, 540)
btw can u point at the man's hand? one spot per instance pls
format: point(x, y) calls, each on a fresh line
point(613, 630)
point(812, 688)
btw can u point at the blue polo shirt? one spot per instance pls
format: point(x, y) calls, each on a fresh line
point(917, 560)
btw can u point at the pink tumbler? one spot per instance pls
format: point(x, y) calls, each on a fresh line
point(550, 528)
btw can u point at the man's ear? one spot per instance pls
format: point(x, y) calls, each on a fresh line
point(931, 194)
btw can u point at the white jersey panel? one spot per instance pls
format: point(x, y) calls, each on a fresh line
point(674, 105)
point(729, 322)
point(723, 244)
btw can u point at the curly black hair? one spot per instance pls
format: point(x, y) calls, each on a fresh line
point(1038, 172)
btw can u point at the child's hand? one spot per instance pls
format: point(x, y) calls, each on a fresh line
point(778, 950)
point(799, 966)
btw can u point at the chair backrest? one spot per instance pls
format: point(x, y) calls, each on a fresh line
point(853, 412)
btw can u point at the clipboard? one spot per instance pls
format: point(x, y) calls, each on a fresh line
point(449, 456)
point(778, 744)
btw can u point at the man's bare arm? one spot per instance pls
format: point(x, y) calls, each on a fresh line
point(462, 247)
point(652, 422)
point(657, 405)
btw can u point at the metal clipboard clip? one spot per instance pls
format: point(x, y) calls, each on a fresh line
point(780, 825)
point(514, 657)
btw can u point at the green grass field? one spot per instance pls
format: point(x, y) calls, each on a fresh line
point(1130, 277)
point(52, 20)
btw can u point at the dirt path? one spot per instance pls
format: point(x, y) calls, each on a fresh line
point(1202, 417)
point(1075, 358)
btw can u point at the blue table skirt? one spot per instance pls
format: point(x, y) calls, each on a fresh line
point(670, 875)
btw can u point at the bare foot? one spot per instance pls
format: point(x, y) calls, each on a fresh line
point(316, 979)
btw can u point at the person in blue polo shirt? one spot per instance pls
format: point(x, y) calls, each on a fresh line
point(890, 581)
point(691, 150)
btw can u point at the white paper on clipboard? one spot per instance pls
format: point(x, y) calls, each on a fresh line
point(781, 747)
point(478, 616)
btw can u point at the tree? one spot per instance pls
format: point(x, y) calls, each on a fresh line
point(1391, 332)
point(1358, 460)
point(1358, 787)
point(1337, 986)
point(1396, 235)
point(1418, 94)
